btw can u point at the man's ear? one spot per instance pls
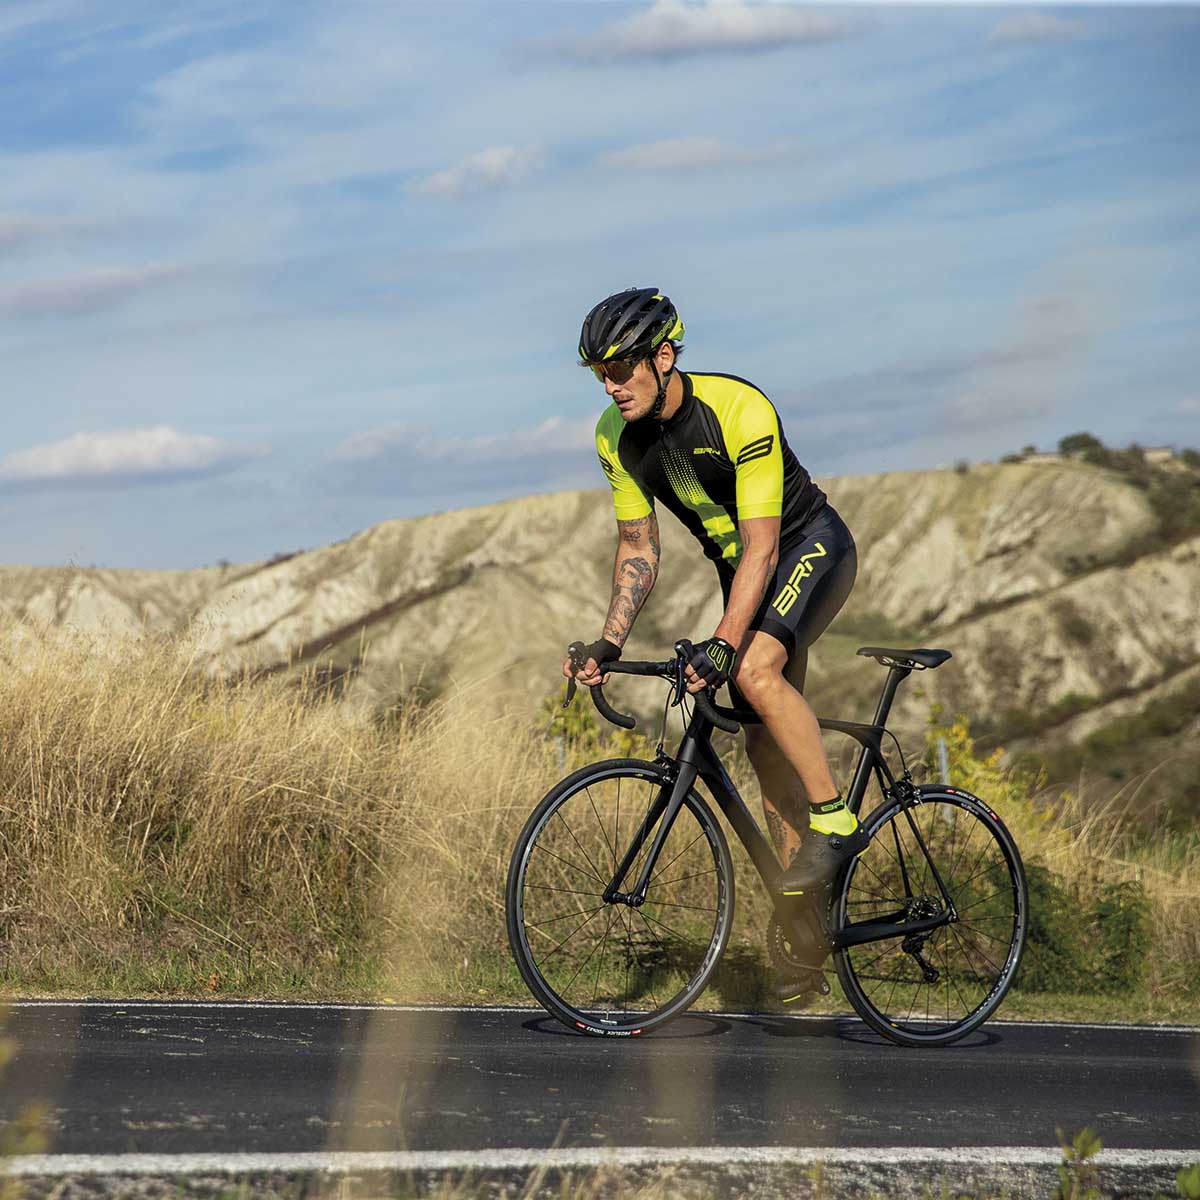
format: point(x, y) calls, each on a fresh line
point(665, 357)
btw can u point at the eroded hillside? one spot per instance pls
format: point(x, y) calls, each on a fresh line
point(986, 562)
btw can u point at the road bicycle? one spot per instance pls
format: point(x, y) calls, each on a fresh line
point(620, 891)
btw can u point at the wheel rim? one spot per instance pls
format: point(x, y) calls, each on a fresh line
point(972, 959)
point(610, 966)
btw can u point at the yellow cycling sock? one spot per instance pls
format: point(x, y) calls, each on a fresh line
point(832, 817)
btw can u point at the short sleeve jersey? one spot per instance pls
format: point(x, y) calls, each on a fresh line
point(720, 458)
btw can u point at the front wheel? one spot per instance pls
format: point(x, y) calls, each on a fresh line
point(933, 987)
point(609, 968)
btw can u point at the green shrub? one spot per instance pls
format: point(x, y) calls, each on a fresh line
point(1121, 923)
point(1055, 946)
point(1084, 943)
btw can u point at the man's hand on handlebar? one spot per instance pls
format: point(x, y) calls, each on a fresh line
point(592, 658)
point(710, 665)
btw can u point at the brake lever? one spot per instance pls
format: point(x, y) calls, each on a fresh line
point(575, 651)
point(683, 652)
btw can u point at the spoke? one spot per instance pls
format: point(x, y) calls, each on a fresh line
point(675, 904)
point(579, 912)
point(586, 855)
point(603, 831)
point(882, 954)
point(550, 954)
point(883, 883)
point(979, 859)
point(891, 994)
point(567, 861)
point(636, 955)
point(545, 887)
point(982, 871)
point(680, 854)
point(990, 936)
point(967, 1009)
point(600, 960)
point(681, 878)
point(962, 850)
point(617, 823)
point(968, 957)
point(968, 947)
point(683, 937)
point(670, 954)
point(977, 903)
point(579, 970)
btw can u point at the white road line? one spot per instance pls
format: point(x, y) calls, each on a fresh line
point(529, 1010)
point(584, 1157)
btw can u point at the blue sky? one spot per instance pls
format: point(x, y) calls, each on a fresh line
point(273, 272)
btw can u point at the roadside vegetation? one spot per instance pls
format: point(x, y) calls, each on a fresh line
point(164, 833)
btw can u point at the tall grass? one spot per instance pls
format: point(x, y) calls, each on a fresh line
point(165, 831)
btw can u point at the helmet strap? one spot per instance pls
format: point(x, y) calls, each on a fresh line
point(655, 414)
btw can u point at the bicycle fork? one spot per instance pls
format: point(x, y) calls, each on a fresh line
point(662, 812)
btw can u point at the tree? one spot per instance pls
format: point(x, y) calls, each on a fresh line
point(1079, 443)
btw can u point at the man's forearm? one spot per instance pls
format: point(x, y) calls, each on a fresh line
point(634, 573)
point(749, 586)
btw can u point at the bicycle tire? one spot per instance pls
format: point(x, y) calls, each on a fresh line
point(975, 957)
point(557, 874)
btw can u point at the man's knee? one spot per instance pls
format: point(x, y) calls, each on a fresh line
point(758, 674)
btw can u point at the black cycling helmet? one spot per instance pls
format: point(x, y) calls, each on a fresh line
point(631, 324)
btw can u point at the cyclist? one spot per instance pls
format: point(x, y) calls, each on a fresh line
point(711, 448)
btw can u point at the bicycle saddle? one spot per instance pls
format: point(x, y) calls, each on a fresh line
point(918, 659)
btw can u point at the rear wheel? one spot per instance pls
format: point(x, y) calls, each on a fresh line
point(937, 986)
point(608, 968)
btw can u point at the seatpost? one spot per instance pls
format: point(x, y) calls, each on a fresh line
point(862, 772)
point(896, 676)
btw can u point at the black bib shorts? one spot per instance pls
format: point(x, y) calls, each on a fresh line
point(811, 583)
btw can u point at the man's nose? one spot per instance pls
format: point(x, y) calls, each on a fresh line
point(609, 386)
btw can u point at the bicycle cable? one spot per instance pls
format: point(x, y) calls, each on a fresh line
point(661, 748)
point(900, 749)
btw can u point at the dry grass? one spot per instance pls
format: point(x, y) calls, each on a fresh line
point(162, 832)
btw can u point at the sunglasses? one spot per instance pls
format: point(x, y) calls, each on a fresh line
point(620, 370)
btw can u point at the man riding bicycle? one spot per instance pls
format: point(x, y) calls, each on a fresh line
point(711, 448)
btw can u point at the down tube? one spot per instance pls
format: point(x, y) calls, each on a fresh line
point(713, 772)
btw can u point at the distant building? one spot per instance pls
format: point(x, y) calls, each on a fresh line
point(1158, 454)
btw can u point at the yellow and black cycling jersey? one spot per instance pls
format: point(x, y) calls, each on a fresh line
point(720, 458)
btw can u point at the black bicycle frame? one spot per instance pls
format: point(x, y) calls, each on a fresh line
point(696, 759)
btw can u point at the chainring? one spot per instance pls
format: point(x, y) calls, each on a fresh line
point(785, 956)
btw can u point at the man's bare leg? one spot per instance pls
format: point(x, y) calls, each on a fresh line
point(785, 802)
point(794, 733)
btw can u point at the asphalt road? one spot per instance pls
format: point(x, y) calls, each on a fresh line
point(164, 1078)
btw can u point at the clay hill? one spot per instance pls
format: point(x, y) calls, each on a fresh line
point(1066, 607)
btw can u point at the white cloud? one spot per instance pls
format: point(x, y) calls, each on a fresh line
point(418, 442)
point(84, 292)
point(495, 167)
point(1056, 329)
point(693, 154)
point(1032, 27)
point(406, 460)
point(121, 454)
point(17, 228)
point(673, 29)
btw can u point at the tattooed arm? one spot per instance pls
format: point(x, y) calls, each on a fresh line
point(634, 573)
